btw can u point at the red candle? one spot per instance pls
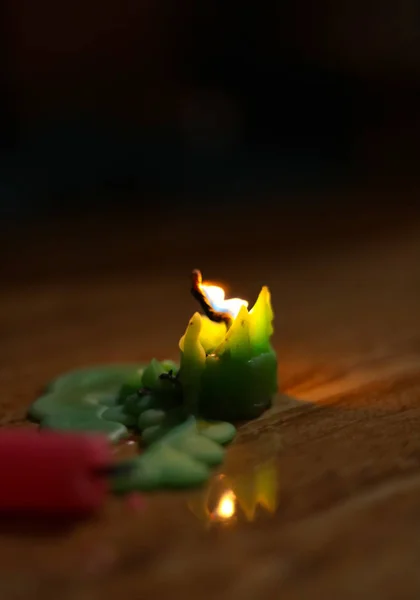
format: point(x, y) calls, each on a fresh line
point(53, 472)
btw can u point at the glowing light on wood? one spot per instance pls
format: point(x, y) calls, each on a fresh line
point(226, 507)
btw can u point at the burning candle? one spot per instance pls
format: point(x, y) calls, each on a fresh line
point(227, 372)
point(228, 366)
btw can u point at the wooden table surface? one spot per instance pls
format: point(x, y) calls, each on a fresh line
point(346, 293)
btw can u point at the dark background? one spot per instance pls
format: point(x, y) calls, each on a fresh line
point(143, 104)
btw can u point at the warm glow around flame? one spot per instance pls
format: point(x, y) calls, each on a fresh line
point(226, 507)
point(216, 296)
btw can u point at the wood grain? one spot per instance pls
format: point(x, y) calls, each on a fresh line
point(348, 462)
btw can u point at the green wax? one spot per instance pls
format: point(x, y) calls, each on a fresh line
point(193, 360)
point(87, 400)
point(180, 450)
point(181, 458)
point(103, 377)
point(235, 389)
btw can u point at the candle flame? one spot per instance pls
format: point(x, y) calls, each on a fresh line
point(226, 507)
point(216, 297)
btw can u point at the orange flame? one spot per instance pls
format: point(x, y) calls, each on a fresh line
point(216, 297)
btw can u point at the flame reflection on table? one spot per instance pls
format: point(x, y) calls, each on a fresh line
point(226, 506)
point(233, 498)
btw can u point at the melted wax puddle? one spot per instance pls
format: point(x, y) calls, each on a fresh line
point(244, 489)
